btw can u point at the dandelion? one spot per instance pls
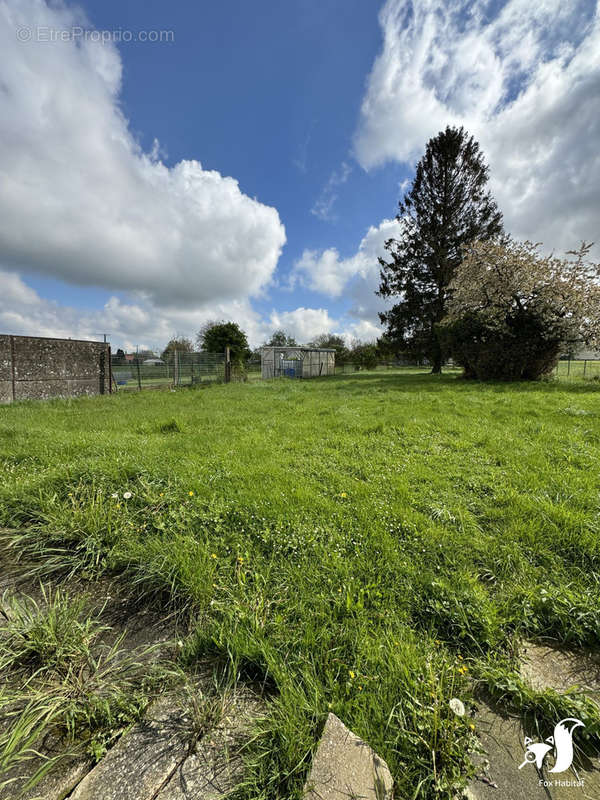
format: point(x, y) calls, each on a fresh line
point(126, 495)
point(161, 494)
point(343, 494)
point(471, 726)
point(351, 673)
point(213, 555)
point(191, 494)
point(240, 560)
point(457, 706)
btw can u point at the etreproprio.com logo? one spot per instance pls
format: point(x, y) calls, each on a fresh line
point(46, 34)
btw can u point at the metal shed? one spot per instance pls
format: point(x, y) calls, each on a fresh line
point(297, 362)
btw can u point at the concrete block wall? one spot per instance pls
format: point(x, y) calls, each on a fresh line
point(38, 368)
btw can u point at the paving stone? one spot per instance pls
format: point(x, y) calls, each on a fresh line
point(344, 767)
point(545, 667)
point(143, 760)
point(215, 766)
point(503, 737)
point(55, 786)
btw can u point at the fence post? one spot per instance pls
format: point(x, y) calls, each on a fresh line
point(102, 370)
point(568, 366)
point(137, 361)
point(13, 368)
point(175, 367)
point(227, 365)
point(584, 366)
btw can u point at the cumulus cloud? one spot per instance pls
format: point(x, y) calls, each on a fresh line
point(23, 311)
point(327, 272)
point(525, 80)
point(303, 324)
point(81, 201)
point(355, 277)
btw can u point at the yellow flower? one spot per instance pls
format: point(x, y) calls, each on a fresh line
point(471, 726)
point(240, 560)
point(343, 494)
point(162, 494)
point(213, 555)
point(191, 494)
point(352, 675)
point(360, 688)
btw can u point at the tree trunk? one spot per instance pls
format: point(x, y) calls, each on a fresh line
point(436, 358)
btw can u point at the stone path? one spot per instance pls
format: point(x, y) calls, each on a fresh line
point(161, 759)
point(170, 755)
point(503, 736)
point(344, 767)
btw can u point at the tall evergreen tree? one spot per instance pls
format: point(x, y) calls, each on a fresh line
point(447, 207)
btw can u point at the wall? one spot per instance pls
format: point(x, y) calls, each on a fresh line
point(37, 368)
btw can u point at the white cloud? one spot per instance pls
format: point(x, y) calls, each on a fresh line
point(23, 311)
point(526, 83)
point(355, 277)
point(325, 271)
point(80, 200)
point(303, 323)
point(323, 208)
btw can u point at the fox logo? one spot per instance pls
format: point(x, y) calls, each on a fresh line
point(561, 741)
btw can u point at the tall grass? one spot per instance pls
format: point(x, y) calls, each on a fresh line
point(365, 544)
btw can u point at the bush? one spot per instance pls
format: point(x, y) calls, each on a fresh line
point(523, 351)
point(512, 312)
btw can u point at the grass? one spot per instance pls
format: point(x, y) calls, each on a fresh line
point(62, 684)
point(367, 544)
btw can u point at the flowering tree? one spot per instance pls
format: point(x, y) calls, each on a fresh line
point(511, 311)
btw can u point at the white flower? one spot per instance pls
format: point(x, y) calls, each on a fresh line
point(127, 495)
point(115, 495)
point(457, 706)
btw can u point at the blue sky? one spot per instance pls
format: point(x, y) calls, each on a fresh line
point(118, 214)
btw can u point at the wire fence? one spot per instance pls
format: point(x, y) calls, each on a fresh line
point(178, 369)
point(578, 369)
point(189, 369)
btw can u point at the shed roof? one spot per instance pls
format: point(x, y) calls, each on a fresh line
point(298, 347)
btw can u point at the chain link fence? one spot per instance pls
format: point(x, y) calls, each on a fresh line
point(178, 369)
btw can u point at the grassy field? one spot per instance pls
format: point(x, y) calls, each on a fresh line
point(373, 544)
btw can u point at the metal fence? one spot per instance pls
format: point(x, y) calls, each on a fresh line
point(578, 368)
point(186, 369)
point(179, 369)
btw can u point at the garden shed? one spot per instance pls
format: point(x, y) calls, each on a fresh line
point(297, 362)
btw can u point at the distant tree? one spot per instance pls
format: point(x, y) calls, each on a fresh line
point(214, 337)
point(513, 311)
point(332, 340)
point(363, 354)
point(446, 208)
point(281, 338)
point(119, 357)
point(180, 343)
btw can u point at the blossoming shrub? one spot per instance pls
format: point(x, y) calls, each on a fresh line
point(513, 311)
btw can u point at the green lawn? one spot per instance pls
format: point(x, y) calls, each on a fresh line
point(367, 543)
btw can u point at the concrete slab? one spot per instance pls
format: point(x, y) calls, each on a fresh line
point(502, 737)
point(143, 761)
point(546, 667)
point(344, 767)
point(55, 786)
point(215, 766)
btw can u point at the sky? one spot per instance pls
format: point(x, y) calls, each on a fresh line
point(167, 164)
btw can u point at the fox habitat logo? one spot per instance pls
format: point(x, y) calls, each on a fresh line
point(561, 742)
